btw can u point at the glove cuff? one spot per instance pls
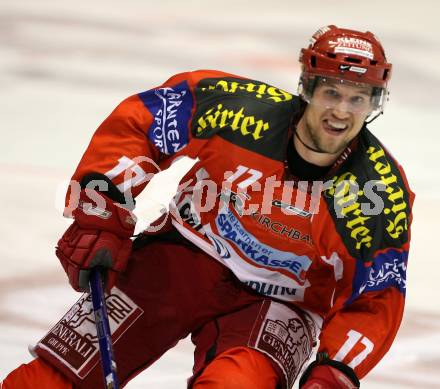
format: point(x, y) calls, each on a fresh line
point(323, 359)
point(111, 191)
point(97, 211)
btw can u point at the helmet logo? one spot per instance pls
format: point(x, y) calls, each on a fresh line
point(350, 45)
point(319, 33)
point(351, 68)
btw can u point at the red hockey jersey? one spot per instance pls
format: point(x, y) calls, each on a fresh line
point(338, 253)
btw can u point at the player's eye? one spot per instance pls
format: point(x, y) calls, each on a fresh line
point(332, 93)
point(357, 100)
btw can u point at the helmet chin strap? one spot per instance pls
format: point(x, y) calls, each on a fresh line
point(373, 118)
point(295, 132)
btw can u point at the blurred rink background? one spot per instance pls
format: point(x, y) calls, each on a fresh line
point(65, 65)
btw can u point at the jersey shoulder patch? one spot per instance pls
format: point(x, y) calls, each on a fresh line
point(171, 110)
point(369, 200)
point(248, 113)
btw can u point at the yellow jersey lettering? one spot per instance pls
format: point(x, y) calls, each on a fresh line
point(359, 220)
point(220, 117)
point(394, 192)
point(250, 88)
point(362, 237)
point(237, 117)
point(398, 225)
point(348, 206)
point(260, 91)
point(202, 122)
point(388, 180)
point(374, 155)
point(278, 95)
point(225, 116)
point(247, 121)
point(259, 128)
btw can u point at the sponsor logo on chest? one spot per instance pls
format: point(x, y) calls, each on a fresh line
point(280, 229)
point(259, 253)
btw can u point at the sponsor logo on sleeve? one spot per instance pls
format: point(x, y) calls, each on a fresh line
point(171, 109)
point(396, 207)
point(386, 270)
point(362, 229)
point(257, 252)
point(347, 204)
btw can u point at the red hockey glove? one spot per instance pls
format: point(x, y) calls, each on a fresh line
point(325, 373)
point(99, 236)
point(327, 377)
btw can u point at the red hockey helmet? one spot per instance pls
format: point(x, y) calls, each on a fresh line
point(348, 56)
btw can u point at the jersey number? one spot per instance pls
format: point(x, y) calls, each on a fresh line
point(353, 338)
point(255, 175)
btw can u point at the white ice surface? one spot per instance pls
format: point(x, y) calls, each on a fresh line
point(65, 65)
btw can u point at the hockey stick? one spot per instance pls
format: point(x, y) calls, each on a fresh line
point(154, 194)
point(103, 331)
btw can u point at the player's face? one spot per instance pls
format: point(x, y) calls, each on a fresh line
point(335, 115)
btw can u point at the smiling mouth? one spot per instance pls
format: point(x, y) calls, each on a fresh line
point(334, 127)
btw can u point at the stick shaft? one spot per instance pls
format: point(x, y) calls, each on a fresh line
point(103, 331)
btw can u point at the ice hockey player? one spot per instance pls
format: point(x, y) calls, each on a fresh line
point(290, 232)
